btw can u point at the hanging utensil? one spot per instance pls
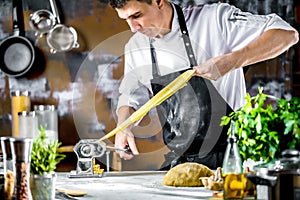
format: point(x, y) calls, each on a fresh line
point(60, 37)
point(17, 54)
point(165, 93)
point(42, 21)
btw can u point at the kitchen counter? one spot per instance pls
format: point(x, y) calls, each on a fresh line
point(130, 185)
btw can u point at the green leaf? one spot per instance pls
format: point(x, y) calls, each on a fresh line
point(258, 123)
point(266, 130)
point(44, 155)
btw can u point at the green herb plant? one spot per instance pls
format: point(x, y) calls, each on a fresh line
point(44, 154)
point(265, 131)
point(289, 115)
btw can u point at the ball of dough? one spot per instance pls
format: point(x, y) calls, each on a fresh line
point(187, 175)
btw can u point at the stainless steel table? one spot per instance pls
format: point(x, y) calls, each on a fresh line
point(130, 185)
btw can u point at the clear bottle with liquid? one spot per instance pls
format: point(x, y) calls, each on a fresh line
point(232, 173)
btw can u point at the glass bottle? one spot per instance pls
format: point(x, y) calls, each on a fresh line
point(232, 173)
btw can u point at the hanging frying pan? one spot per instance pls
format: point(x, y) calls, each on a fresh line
point(60, 37)
point(17, 54)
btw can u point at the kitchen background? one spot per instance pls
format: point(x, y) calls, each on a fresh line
point(83, 82)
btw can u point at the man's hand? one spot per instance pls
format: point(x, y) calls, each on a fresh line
point(123, 139)
point(217, 67)
point(208, 70)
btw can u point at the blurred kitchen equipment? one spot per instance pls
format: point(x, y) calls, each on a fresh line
point(281, 176)
point(48, 118)
point(42, 21)
point(20, 101)
point(28, 124)
point(9, 167)
point(17, 54)
point(21, 149)
point(86, 151)
point(60, 37)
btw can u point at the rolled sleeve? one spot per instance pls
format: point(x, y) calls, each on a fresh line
point(133, 93)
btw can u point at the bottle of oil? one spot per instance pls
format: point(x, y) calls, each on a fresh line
point(232, 173)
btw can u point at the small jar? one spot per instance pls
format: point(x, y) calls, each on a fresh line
point(28, 124)
point(20, 101)
point(9, 167)
point(48, 119)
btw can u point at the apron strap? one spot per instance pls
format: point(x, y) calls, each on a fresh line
point(186, 41)
point(185, 36)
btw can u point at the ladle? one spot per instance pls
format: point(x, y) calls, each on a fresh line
point(42, 21)
point(60, 37)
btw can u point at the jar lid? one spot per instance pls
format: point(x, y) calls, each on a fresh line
point(20, 93)
point(44, 107)
point(27, 113)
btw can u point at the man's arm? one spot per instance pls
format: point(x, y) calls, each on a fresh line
point(270, 44)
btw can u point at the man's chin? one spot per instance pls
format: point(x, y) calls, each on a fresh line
point(147, 33)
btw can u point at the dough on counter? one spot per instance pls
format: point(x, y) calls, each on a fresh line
point(187, 175)
point(214, 182)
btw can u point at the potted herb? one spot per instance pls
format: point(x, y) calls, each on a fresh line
point(44, 159)
point(265, 130)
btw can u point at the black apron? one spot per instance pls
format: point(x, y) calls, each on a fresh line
point(191, 117)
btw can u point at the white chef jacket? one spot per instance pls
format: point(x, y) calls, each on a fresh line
point(214, 30)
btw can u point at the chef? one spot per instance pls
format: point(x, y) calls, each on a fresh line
point(216, 40)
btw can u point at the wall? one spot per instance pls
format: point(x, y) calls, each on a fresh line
point(83, 82)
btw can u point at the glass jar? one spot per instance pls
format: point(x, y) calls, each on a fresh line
point(28, 124)
point(9, 167)
point(48, 118)
point(20, 101)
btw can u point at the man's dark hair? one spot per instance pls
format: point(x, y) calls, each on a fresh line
point(122, 3)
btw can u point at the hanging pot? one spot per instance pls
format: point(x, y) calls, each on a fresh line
point(281, 176)
point(60, 37)
point(42, 21)
point(17, 54)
